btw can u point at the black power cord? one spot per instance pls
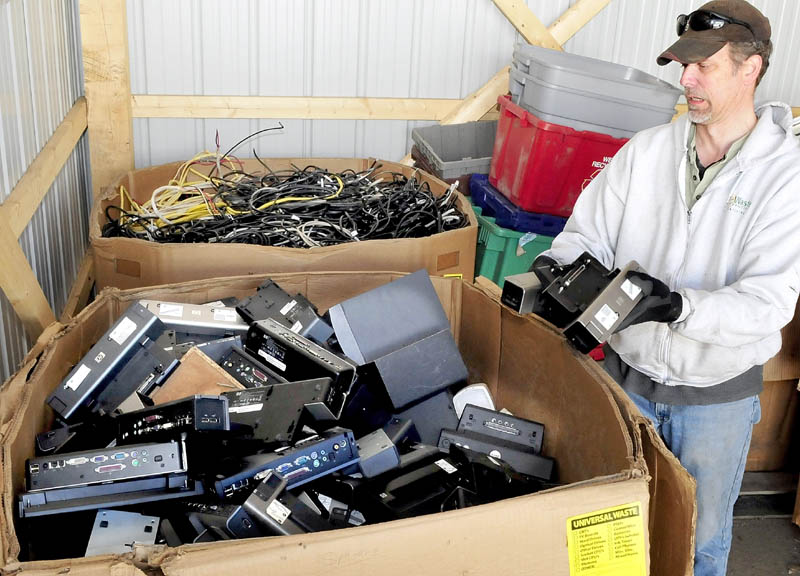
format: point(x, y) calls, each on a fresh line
point(302, 208)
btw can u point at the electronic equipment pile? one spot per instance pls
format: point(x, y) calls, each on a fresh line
point(338, 422)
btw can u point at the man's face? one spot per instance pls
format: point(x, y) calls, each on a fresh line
point(715, 88)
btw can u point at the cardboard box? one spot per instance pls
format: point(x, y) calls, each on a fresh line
point(774, 436)
point(786, 364)
point(607, 456)
point(131, 263)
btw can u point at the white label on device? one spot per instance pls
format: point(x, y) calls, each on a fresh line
point(171, 310)
point(631, 289)
point(288, 307)
point(278, 512)
point(274, 361)
point(446, 466)
point(606, 316)
point(225, 315)
point(296, 327)
point(124, 329)
point(77, 379)
point(245, 409)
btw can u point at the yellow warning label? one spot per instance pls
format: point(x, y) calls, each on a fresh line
point(607, 542)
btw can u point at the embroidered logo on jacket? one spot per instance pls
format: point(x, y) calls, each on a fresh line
point(738, 204)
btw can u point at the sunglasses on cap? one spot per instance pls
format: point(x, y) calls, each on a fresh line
point(701, 20)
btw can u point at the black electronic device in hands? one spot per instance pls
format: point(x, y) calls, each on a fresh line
point(585, 299)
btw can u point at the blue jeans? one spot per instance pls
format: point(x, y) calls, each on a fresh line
point(711, 442)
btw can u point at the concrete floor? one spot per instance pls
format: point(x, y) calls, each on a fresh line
point(765, 541)
point(764, 547)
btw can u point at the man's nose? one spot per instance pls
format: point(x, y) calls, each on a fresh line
point(688, 77)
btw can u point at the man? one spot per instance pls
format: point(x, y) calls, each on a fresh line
point(709, 206)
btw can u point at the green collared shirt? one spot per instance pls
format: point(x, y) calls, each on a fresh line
point(698, 180)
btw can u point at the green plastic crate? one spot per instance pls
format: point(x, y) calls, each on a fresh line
point(499, 253)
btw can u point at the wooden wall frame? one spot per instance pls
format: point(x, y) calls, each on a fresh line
point(108, 110)
point(17, 279)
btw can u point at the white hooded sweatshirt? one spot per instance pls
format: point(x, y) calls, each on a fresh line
point(734, 258)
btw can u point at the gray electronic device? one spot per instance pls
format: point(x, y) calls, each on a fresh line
point(87, 381)
point(387, 318)
point(198, 318)
point(606, 312)
point(418, 370)
point(105, 465)
point(115, 532)
point(108, 495)
point(520, 290)
point(378, 454)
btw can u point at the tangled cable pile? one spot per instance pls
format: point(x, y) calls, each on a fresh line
point(299, 208)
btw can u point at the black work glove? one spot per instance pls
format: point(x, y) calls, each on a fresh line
point(658, 304)
point(546, 269)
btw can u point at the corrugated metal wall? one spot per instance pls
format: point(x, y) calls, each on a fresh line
point(374, 48)
point(40, 79)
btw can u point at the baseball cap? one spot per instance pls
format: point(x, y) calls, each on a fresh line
point(704, 33)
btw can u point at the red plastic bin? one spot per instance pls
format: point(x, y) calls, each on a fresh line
point(543, 167)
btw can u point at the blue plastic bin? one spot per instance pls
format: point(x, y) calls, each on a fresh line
point(506, 214)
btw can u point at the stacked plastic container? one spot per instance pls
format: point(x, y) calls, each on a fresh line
point(567, 116)
point(455, 151)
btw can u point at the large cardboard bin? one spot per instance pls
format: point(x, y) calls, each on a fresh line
point(131, 263)
point(621, 485)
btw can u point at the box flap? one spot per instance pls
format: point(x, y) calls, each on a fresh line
point(444, 544)
point(95, 566)
point(675, 529)
point(197, 374)
point(674, 526)
point(538, 380)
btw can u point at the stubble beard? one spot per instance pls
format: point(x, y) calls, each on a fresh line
point(700, 117)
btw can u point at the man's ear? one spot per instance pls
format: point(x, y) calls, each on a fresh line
point(752, 68)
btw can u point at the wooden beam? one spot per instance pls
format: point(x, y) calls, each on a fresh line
point(527, 23)
point(20, 286)
point(169, 106)
point(474, 106)
point(575, 18)
point(484, 98)
point(81, 289)
point(24, 200)
point(104, 38)
point(565, 27)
